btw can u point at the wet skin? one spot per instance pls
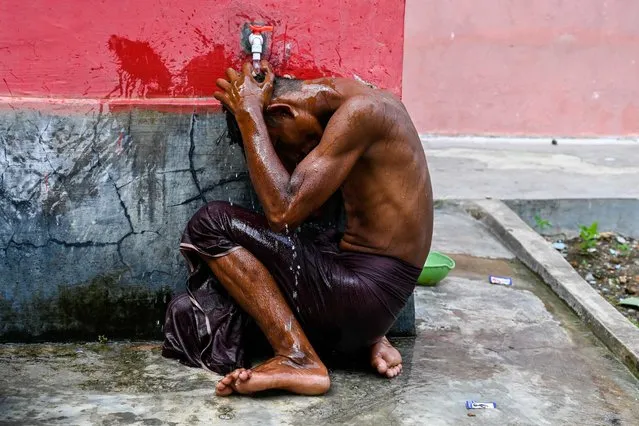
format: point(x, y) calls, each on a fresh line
point(331, 134)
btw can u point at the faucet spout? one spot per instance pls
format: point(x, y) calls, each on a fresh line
point(257, 44)
point(256, 40)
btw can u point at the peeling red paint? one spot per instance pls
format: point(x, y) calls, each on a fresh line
point(151, 49)
point(142, 72)
point(140, 67)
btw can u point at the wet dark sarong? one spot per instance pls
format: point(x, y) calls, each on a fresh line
point(343, 300)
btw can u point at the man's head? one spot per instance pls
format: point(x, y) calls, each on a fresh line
point(292, 125)
point(293, 128)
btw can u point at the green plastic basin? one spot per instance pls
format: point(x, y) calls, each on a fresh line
point(436, 268)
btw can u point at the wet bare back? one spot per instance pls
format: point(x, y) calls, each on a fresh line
point(388, 195)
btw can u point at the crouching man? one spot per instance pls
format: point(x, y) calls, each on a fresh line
point(303, 141)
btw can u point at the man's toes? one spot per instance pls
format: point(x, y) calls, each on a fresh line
point(222, 390)
point(229, 378)
point(380, 365)
point(244, 375)
point(394, 371)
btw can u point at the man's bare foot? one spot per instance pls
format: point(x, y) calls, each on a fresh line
point(386, 359)
point(278, 372)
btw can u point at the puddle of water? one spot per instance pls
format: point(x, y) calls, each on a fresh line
point(523, 279)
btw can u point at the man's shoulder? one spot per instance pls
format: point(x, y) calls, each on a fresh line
point(361, 102)
point(362, 107)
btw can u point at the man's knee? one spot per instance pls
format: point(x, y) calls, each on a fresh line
point(220, 209)
point(214, 216)
point(220, 226)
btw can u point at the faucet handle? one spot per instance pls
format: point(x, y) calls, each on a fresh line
point(259, 29)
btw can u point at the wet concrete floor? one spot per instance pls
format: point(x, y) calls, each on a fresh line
point(519, 346)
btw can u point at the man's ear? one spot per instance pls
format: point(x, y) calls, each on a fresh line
point(281, 110)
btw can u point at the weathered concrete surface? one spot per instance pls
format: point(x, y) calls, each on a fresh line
point(565, 216)
point(520, 347)
point(102, 199)
point(511, 169)
point(619, 334)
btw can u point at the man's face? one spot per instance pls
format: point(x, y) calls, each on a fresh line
point(294, 137)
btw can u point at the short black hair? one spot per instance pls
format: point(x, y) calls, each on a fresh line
point(281, 86)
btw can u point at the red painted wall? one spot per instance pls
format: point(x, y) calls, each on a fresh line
point(177, 48)
point(523, 67)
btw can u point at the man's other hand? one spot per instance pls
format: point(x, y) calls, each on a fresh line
point(240, 91)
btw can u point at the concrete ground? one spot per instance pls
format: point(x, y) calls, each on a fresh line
point(520, 347)
point(511, 169)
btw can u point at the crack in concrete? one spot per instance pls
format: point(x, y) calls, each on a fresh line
point(242, 176)
point(17, 203)
point(119, 249)
point(4, 145)
point(88, 243)
point(129, 182)
point(43, 145)
point(125, 210)
point(29, 244)
point(92, 167)
point(6, 247)
point(121, 240)
point(196, 180)
point(163, 172)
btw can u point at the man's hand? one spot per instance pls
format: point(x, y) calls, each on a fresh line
point(242, 91)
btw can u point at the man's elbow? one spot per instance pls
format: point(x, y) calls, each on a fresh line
point(280, 222)
point(282, 216)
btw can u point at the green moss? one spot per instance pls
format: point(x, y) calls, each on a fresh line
point(101, 307)
point(39, 351)
point(124, 369)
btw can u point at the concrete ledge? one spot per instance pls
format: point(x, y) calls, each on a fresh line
point(619, 334)
point(565, 215)
point(500, 140)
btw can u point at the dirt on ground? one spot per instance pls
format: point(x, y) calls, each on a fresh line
point(610, 264)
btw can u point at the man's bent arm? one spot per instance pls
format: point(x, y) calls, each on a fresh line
point(270, 178)
point(288, 199)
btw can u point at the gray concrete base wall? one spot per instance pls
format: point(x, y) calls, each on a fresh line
point(91, 211)
point(92, 208)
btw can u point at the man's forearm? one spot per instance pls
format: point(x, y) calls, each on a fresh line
point(270, 178)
